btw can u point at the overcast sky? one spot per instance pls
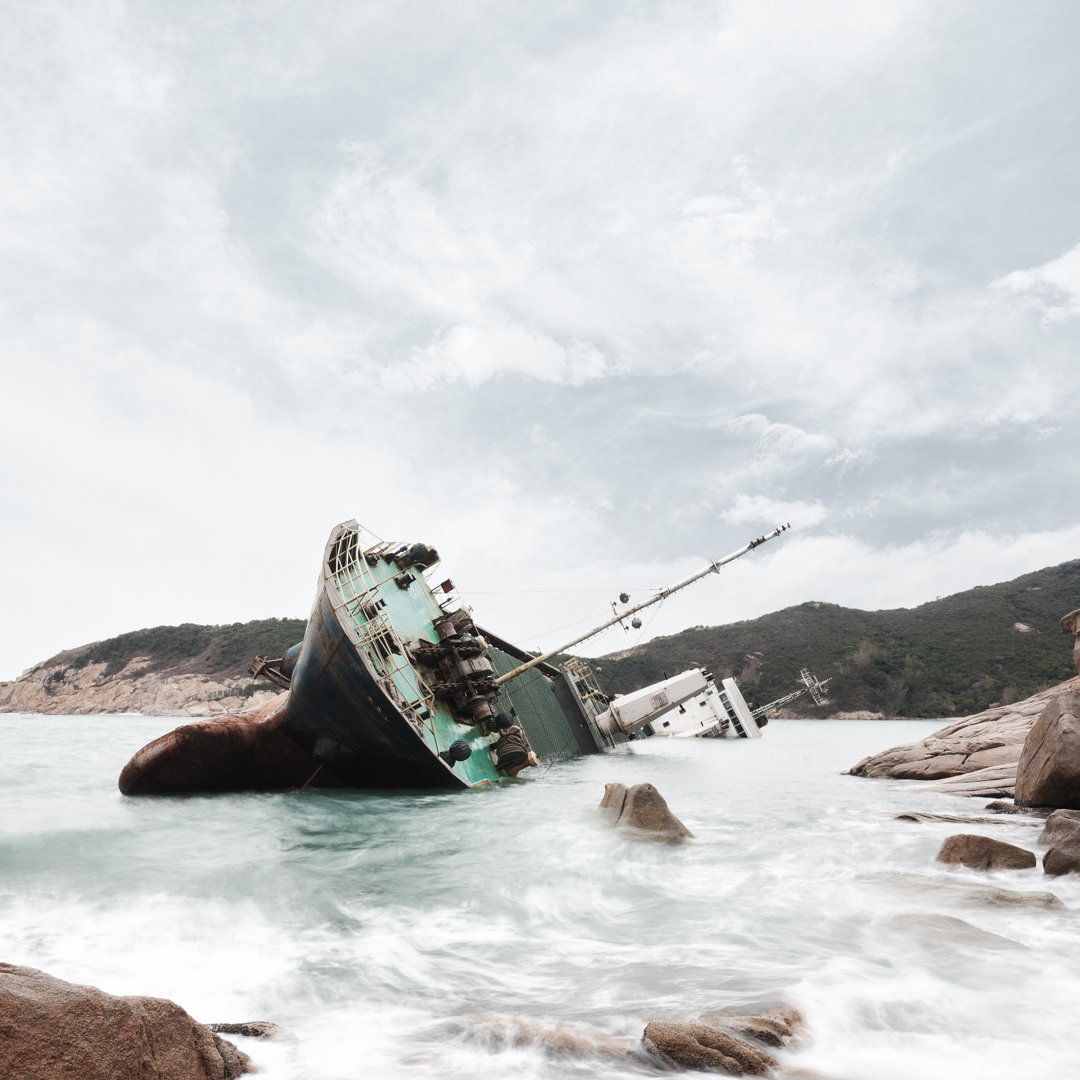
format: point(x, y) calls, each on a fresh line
point(581, 293)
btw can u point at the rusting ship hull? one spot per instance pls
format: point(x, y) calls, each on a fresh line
point(341, 715)
point(393, 686)
point(246, 751)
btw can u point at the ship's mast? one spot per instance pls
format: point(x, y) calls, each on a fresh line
point(663, 594)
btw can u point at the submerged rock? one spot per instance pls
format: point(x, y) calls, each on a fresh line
point(642, 807)
point(1001, 806)
point(255, 1029)
point(56, 1030)
point(1049, 769)
point(695, 1045)
point(984, 853)
point(946, 931)
point(965, 891)
point(558, 1036)
point(957, 819)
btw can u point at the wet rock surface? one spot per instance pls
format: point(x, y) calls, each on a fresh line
point(56, 1030)
point(984, 853)
point(774, 1027)
point(958, 819)
point(1063, 858)
point(556, 1036)
point(1060, 825)
point(1005, 807)
point(947, 932)
point(1049, 770)
point(254, 1029)
point(643, 808)
point(963, 892)
point(694, 1045)
point(1062, 833)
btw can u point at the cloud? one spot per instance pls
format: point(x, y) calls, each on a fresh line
point(756, 509)
point(652, 270)
point(1052, 289)
point(477, 353)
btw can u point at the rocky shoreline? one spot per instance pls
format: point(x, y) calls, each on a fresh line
point(56, 1030)
point(981, 754)
point(984, 747)
point(63, 687)
point(1029, 752)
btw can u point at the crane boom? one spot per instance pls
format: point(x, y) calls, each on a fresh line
point(663, 594)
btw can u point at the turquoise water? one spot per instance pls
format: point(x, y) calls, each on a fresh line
point(376, 927)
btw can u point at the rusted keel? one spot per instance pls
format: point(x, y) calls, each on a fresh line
point(245, 751)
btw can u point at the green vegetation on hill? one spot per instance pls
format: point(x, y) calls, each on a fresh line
point(217, 651)
point(950, 657)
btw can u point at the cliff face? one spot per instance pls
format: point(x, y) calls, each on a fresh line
point(61, 686)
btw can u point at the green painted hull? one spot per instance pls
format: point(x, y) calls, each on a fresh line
point(370, 695)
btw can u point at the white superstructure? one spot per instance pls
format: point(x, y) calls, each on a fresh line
point(688, 704)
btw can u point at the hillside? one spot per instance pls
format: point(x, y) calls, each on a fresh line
point(995, 644)
point(950, 657)
point(163, 671)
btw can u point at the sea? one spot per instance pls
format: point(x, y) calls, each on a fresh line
point(416, 935)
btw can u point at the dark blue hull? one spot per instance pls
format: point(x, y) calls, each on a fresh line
point(338, 712)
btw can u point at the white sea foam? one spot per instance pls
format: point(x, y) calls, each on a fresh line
point(376, 926)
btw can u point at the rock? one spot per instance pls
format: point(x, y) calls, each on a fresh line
point(944, 931)
point(1070, 624)
point(1063, 857)
point(255, 1029)
point(1062, 833)
point(613, 801)
point(1060, 825)
point(993, 738)
point(997, 780)
point(774, 1027)
point(1030, 813)
point(699, 1046)
point(642, 807)
point(965, 892)
point(245, 751)
point(958, 819)
point(1049, 769)
point(984, 853)
point(55, 1030)
point(560, 1036)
